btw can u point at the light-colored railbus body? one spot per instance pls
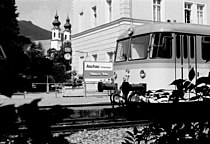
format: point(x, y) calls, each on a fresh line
point(159, 53)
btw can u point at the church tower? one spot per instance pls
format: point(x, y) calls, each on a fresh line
point(67, 31)
point(56, 41)
point(67, 43)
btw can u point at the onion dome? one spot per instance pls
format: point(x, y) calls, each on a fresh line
point(56, 22)
point(67, 25)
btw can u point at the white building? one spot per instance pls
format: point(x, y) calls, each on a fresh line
point(98, 23)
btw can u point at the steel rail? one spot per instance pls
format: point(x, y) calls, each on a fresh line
point(71, 124)
point(66, 128)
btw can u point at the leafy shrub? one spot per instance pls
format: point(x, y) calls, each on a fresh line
point(37, 122)
point(171, 133)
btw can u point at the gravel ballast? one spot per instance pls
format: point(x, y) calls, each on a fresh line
point(102, 136)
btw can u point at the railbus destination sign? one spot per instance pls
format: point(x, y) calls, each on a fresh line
point(97, 71)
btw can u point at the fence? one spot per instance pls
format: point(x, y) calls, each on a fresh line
point(67, 89)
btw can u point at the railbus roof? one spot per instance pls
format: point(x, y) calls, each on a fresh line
point(168, 27)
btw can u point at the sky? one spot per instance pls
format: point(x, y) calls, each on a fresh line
point(42, 12)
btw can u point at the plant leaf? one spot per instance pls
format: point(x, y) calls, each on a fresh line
point(203, 89)
point(188, 86)
point(127, 141)
point(130, 133)
point(135, 131)
point(177, 82)
point(195, 97)
point(160, 90)
point(149, 91)
point(191, 74)
point(139, 138)
point(204, 80)
point(129, 138)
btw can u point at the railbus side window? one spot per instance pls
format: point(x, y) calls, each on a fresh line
point(139, 47)
point(162, 47)
point(178, 45)
point(185, 46)
point(192, 46)
point(206, 47)
point(122, 50)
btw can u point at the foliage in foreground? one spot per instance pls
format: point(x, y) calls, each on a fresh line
point(37, 124)
point(187, 130)
point(171, 133)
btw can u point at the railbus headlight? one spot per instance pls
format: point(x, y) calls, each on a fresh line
point(142, 74)
point(130, 31)
point(115, 76)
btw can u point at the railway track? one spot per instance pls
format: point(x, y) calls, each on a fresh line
point(94, 124)
point(90, 117)
point(71, 126)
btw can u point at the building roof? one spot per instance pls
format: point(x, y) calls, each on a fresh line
point(67, 25)
point(168, 27)
point(56, 23)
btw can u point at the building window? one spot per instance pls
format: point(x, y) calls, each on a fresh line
point(81, 18)
point(157, 10)
point(200, 13)
point(110, 56)
point(94, 16)
point(54, 34)
point(109, 9)
point(65, 37)
point(81, 61)
point(94, 57)
point(188, 10)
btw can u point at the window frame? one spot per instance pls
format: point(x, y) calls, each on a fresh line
point(109, 10)
point(94, 15)
point(157, 12)
point(147, 49)
point(188, 8)
point(200, 11)
point(185, 46)
point(153, 45)
point(126, 50)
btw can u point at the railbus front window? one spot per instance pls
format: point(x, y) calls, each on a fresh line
point(122, 50)
point(206, 48)
point(139, 47)
point(162, 46)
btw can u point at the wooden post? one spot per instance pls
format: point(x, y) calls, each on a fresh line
point(85, 89)
point(47, 85)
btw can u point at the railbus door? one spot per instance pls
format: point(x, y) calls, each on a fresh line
point(185, 56)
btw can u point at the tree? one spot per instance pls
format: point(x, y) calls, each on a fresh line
point(16, 61)
point(8, 21)
point(40, 65)
point(10, 39)
point(8, 26)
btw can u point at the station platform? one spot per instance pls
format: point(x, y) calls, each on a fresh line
point(75, 97)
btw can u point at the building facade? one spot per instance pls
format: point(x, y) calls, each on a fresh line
point(98, 23)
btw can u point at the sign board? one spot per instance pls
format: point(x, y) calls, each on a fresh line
point(97, 71)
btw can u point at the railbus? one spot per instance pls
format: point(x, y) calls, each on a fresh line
point(155, 54)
